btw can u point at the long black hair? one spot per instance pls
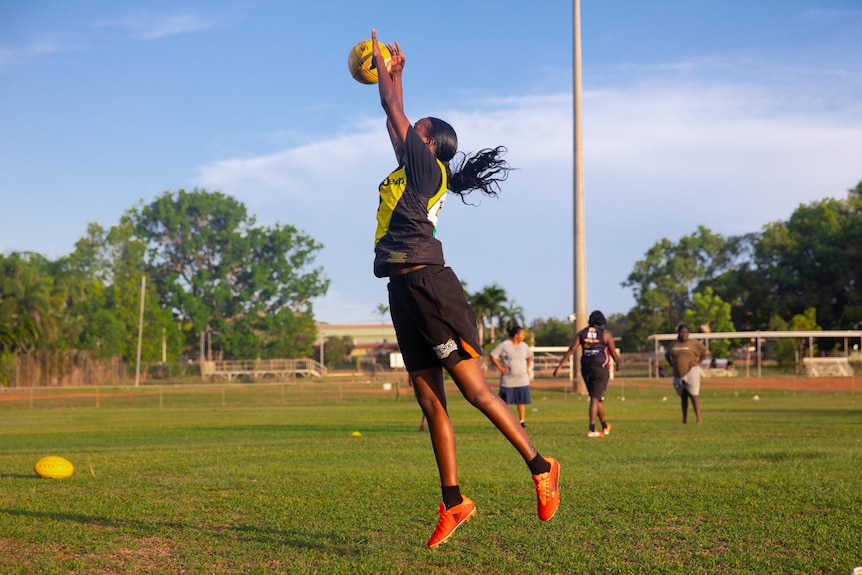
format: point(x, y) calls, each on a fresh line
point(481, 171)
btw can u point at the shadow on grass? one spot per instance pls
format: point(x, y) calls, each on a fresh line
point(293, 538)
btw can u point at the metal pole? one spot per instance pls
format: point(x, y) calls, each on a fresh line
point(201, 352)
point(580, 234)
point(140, 332)
point(759, 356)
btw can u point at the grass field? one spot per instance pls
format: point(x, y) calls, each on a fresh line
point(271, 479)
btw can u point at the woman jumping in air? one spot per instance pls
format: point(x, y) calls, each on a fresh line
point(435, 326)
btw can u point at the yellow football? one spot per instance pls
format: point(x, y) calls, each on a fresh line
point(361, 64)
point(54, 467)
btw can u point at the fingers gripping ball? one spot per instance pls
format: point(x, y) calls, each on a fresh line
point(361, 64)
point(53, 467)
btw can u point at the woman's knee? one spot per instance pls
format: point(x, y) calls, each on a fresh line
point(482, 397)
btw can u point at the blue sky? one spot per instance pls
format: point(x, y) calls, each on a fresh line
point(724, 114)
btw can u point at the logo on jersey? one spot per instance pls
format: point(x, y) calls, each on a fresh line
point(397, 258)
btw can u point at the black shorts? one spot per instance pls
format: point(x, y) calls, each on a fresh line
point(433, 321)
point(596, 381)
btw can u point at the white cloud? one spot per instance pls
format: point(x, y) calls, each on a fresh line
point(41, 46)
point(301, 173)
point(150, 25)
point(721, 150)
point(659, 161)
point(48, 46)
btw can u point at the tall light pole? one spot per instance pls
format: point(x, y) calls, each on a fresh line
point(580, 233)
point(140, 331)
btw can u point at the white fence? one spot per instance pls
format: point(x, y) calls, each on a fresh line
point(827, 366)
point(279, 369)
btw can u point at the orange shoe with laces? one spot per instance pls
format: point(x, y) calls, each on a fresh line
point(450, 519)
point(548, 490)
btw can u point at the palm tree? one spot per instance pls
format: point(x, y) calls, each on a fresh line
point(487, 304)
point(511, 314)
point(381, 310)
point(30, 301)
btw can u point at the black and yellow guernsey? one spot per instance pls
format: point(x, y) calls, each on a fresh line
point(410, 201)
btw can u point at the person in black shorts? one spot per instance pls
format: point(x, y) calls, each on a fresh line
point(434, 324)
point(598, 349)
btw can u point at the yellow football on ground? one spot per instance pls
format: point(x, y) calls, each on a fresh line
point(54, 467)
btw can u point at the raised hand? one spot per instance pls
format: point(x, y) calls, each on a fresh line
point(395, 65)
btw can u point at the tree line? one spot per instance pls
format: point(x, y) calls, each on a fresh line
point(210, 270)
point(803, 273)
point(215, 276)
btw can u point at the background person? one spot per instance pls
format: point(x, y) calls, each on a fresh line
point(513, 357)
point(684, 356)
point(598, 349)
point(435, 326)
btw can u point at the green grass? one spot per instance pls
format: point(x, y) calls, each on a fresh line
point(245, 480)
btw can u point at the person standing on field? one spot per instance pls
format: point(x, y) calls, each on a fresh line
point(434, 323)
point(684, 356)
point(598, 349)
point(513, 357)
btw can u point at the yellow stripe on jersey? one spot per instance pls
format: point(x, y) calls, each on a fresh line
point(391, 190)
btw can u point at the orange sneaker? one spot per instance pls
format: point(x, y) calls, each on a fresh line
point(450, 519)
point(607, 430)
point(548, 490)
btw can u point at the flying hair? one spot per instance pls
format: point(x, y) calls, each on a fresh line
point(481, 171)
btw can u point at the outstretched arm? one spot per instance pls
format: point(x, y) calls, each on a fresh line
point(567, 355)
point(391, 95)
point(396, 67)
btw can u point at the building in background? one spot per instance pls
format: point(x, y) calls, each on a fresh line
point(374, 342)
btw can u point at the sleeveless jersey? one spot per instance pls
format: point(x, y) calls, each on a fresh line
point(410, 201)
point(595, 351)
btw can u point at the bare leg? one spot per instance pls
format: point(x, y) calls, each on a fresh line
point(428, 388)
point(695, 402)
point(684, 397)
point(594, 411)
point(469, 378)
point(521, 411)
point(601, 411)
